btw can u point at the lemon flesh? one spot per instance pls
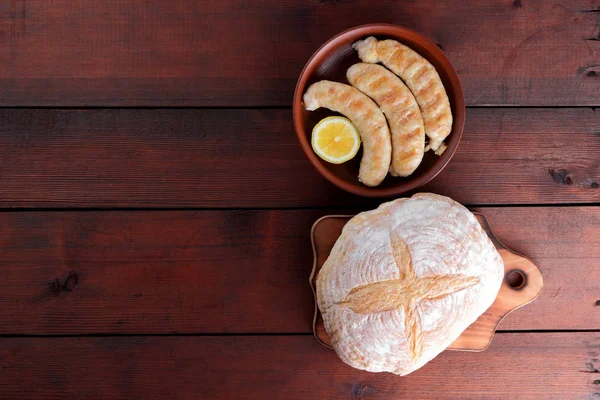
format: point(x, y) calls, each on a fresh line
point(335, 139)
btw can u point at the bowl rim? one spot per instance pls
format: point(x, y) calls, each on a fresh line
point(459, 116)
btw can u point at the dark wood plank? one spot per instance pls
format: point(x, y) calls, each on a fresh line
point(561, 240)
point(240, 271)
point(156, 272)
point(516, 366)
point(188, 52)
point(516, 156)
point(250, 158)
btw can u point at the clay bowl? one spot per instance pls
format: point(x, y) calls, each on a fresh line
point(331, 62)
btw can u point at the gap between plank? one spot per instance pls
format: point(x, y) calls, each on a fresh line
point(306, 208)
point(510, 106)
point(84, 335)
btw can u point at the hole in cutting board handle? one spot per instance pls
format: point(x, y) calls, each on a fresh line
point(516, 279)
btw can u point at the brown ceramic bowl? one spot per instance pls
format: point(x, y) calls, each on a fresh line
point(331, 62)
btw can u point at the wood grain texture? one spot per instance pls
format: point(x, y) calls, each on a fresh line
point(250, 158)
point(227, 53)
point(240, 271)
point(559, 240)
point(516, 366)
point(155, 272)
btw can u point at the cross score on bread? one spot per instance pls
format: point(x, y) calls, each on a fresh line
point(405, 292)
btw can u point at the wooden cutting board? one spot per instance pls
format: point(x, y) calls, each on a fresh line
point(522, 283)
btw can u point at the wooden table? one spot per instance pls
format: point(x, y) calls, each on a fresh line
point(156, 208)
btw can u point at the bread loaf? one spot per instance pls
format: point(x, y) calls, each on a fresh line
point(403, 282)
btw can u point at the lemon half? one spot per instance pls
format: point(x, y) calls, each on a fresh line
point(335, 139)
